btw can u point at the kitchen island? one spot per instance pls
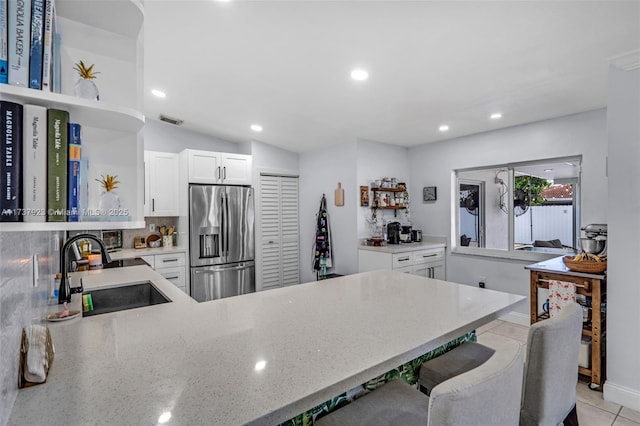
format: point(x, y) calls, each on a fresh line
point(259, 358)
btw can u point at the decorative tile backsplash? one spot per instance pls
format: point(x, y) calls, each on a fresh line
point(22, 304)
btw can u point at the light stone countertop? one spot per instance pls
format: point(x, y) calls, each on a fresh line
point(133, 253)
point(198, 360)
point(426, 243)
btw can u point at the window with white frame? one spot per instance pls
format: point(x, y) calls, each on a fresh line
point(519, 207)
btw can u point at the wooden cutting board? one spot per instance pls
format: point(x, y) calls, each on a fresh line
point(339, 195)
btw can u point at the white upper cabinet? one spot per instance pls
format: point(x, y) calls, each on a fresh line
point(218, 168)
point(161, 183)
point(204, 166)
point(236, 169)
point(109, 35)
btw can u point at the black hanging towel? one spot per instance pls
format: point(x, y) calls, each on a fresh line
point(322, 244)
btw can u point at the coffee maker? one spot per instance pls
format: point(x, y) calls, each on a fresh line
point(596, 239)
point(393, 232)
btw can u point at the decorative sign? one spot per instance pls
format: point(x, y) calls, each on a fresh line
point(429, 193)
point(364, 196)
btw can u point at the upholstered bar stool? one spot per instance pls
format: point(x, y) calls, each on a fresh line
point(551, 368)
point(439, 369)
point(487, 395)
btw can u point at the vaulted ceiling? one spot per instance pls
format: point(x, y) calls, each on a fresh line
point(286, 66)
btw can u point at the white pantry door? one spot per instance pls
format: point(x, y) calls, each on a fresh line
point(279, 231)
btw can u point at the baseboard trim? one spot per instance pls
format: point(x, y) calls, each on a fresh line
point(622, 395)
point(516, 318)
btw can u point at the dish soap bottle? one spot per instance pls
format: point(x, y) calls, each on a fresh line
point(55, 286)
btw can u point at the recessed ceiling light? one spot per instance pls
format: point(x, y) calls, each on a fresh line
point(158, 93)
point(256, 127)
point(260, 365)
point(443, 128)
point(496, 115)
point(359, 74)
point(548, 170)
point(164, 417)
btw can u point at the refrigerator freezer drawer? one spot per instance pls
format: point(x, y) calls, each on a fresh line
point(217, 282)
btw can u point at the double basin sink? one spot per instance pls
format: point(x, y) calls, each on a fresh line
point(123, 297)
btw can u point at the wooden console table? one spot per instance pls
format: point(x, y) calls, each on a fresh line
point(589, 285)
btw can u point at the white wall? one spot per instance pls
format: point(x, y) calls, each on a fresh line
point(375, 160)
point(268, 158)
point(623, 298)
point(163, 137)
point(432, 164)
point(320, 172)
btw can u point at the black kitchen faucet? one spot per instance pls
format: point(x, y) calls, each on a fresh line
point(65, 291)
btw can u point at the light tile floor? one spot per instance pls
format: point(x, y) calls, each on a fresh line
point(593, 410)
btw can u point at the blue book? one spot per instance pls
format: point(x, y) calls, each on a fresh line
point(4, 64)
point(35, 56)
point(55, 62)
point(19, 39)
point(73, 192)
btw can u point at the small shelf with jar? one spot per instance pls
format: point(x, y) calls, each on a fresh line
point(391, 198)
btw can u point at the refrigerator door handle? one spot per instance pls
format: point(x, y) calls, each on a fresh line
point(226, 228)
point(215, 270)
point(223, 227)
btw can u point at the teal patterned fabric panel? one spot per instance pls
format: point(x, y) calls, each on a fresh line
point(407, 372)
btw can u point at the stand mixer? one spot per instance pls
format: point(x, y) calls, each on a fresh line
point(596, 239)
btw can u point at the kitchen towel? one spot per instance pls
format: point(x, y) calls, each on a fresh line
point(36, 368)
point(560, 294)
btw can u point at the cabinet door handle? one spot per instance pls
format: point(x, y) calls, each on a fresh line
point(218, 172)
point(224, 169)
point(169, 260)
point(403, 259)
point(153, 204)
point(172, 278)
point(429, 255)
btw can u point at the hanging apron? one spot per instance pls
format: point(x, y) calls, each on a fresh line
point(322, 244)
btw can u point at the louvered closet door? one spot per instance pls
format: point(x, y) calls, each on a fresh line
point(279, 231)
point(290, 247)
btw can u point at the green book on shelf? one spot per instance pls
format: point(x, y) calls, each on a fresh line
point(57, 155)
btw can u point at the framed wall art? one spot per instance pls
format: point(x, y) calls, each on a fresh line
point(429, 193)
point(364, 196)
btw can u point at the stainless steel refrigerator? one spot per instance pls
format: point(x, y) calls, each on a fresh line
point(221, 240)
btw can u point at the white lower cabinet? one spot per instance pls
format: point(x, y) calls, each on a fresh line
point(176, 275)
point(428, 263)
point(172, 266)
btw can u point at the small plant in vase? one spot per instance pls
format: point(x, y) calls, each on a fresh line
point(109, 199)
point(85, 87)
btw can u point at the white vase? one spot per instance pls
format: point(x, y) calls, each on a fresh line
point(109, 203)
point(86, 89)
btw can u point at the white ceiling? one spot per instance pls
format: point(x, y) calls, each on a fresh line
point(286, 65)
